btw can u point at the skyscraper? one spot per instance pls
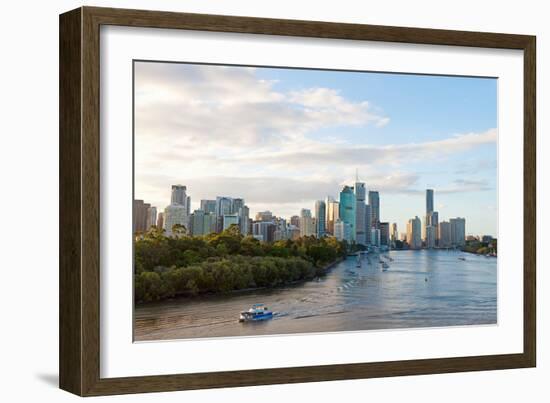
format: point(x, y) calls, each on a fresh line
point(360, 208)
point(175, 214)
point(244, 219)
point(430, 231)
point(458, 231)
point(342, 230)
point(307, 223)
point(224, 205)
point(208, 206)
point(333, 213)
point(229, 220)
point(394, 235)
point(295, 220)
point(347, 209)
point(368, 223)
point(140, 216)
point(429, 200)
point(320, 218)
point(179, 195)
point(445, 234)
point(151, 217)
point(264, 216)
point(160, 220)
point(374, 203)
point(414, 229)
point(385, 234)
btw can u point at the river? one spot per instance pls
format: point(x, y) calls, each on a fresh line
point(424, 288)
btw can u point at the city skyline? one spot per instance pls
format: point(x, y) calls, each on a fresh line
point(322, 131)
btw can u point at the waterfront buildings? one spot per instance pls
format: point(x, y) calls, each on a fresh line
point(431, 223)
point(320, 218)
point(368, 224)
point(414, 233)
point(458, 231)
point(385, 234)
point(445, 234)
point(374, 203)
point(375, 239)
point(394, 235)
point(347, 209)
point(360, 222)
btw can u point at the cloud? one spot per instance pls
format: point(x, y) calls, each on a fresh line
point(196, 106)
point(225, 131)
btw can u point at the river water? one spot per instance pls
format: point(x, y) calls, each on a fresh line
point(424, 288)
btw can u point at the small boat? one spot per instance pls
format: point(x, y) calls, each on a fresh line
point(461, 258)
point(385, 265)
point(256, 313)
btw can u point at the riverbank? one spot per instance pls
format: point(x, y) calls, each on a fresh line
point(189, 294)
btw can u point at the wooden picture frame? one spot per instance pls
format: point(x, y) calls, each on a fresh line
point(79, 346)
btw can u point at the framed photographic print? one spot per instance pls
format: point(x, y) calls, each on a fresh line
point(250, 201)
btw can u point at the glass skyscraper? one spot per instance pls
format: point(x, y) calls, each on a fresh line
point(347, 209)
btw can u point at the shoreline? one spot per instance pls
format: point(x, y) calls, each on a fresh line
point(326, 269)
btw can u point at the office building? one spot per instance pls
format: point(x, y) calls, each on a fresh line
point(151, 217)
point(229, 220)
point(414, 233)
point(385, 234)
point(295, 220)
point(175, 214)
point(307, 223)
point(263, 231)
point(208, 206)
point(374, 203)
point(458, 231)
point(333, 214)
point(394, 235)
point(160, 220)
point(342, 230)
point(140, 216)
point(445, 234)
point(360, 208)
point(320, 218)
point(264, 216)
point(244, 220)
point(347, 209)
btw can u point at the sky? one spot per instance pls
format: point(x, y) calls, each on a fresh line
point(284, 138)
